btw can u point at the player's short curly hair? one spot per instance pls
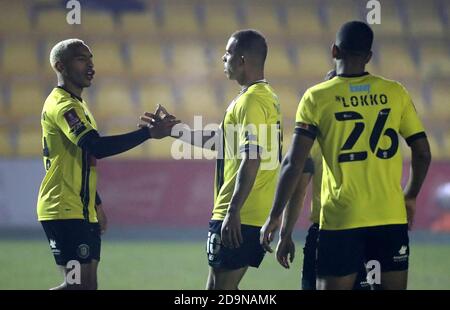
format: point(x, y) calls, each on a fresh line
point(60, 52)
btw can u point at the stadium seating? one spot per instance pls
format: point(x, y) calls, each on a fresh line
point(279, 63)
point(289, 98)
point(14, 19)
point(97, 23)
point(29, 142)
point(214, 54)
point(392, 21)
point(170, 53)
point(201, 101)
point(147, 59)
point(220, 19)
point(415, 90)
point(153, 93)
point(113, 102)
point(229, 92)
point(180, 18)
point(19, 57)
point(339, 12)
point(436, 147)
point(26, 100)
point(302, 19)
point(108, 58)
point(263, 15)
point(5, 141)
point(400, 65)
point(188, 60)
point(52, 22)
point(137, 24)
point(435, 58)
point(313, 60)
point(424, 20)
point(439, 99)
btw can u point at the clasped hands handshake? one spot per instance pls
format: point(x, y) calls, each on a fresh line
point(159, 123)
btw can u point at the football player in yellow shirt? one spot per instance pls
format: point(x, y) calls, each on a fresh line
point(357, 118)
point(285, 250)
point(249, 151)
point(69, 207)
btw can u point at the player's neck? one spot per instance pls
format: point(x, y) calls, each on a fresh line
point(251, 79)
point(349, 69)
point(70, 87)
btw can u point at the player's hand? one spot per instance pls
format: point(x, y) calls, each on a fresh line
point(161, 113)
point(231, 230)
point(285, 248)
point(330, 74)
point(410, 204)
point(102, 219)
point(159, 128)
point(267, 233)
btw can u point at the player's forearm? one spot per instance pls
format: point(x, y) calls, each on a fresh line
point(101, 147)
point(290, 215)
point(244, 183)
point(420, 161)
point(289, 177)
point(291, 170)
point(295, 205)
point(196, 138)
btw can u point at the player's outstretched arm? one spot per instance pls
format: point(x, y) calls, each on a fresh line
point(199, 138)
point(101, 147)
point(420, 161)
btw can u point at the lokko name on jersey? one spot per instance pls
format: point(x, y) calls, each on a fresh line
point(362, 100)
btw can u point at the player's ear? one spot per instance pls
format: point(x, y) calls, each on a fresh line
point(59, 66)
point(335, 51)
point(369, 57)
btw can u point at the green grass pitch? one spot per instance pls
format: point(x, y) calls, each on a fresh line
point(182, 265)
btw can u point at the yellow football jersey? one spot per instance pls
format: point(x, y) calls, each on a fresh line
point(357, 121)
point(69, 186)
point(252, 121)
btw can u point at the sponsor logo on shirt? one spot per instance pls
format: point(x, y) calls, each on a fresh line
point(75, 124)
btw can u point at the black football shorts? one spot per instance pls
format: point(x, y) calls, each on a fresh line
point(73, 240)
point(250, 253)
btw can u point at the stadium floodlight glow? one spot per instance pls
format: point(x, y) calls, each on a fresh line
point(442, 196)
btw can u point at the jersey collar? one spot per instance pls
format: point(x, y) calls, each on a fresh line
point(251, 84)
point(353, 75)
point(70, 93)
